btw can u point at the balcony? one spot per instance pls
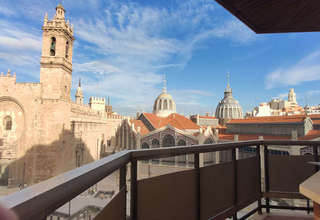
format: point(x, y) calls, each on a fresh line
point(255, 187)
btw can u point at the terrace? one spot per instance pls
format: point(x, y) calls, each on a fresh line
point(238, 189)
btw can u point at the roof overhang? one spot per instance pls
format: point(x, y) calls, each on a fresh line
point(276, 16)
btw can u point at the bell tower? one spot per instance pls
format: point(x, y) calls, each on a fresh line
point(56, 57)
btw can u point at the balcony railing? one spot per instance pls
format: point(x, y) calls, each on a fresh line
point(216, 191)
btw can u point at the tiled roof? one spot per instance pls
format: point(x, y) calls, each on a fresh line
point(317, 122)
point(269, 119)
point(247, 137)
point(314, 117)
point(311, 135)
point(175, 120)
point(208, 117)
point(138, 123)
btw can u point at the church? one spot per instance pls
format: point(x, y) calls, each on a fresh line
point(164, 127)
point(42, 131)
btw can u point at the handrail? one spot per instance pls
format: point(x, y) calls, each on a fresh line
point(38, 201)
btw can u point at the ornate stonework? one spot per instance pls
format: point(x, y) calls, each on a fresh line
point(43, 132)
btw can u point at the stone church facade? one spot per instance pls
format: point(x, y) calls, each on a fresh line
point(42, 131)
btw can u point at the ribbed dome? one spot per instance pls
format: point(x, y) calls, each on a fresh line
point(228, 107)
point(164, 104)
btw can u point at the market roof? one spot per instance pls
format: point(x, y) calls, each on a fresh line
point(276, 16)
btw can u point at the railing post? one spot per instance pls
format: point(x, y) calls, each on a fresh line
point(134, 189)
point(259, 181)
point(266, 176)
point(235, 168)
point(123, 184)
point(198, 190)
point(316, 156)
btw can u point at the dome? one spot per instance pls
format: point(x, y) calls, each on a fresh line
point(164, 104)
point(229, 107)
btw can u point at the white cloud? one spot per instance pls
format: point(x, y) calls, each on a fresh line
point(124, 46)
point(307, 69)
point(6, 11)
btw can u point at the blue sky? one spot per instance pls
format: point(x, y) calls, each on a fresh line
point(123, 47)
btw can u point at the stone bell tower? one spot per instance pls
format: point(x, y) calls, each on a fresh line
point(56, 58)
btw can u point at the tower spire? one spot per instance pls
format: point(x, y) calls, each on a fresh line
point(228, 80)
point(79, 82)
point(164, 88)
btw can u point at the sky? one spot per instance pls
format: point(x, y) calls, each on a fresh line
point(124, 47)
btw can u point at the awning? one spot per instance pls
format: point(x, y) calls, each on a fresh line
point(276, 16)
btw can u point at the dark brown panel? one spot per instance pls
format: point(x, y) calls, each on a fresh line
point(248, 179)
point(170, 197)
point(217, 189)
point(115, 209)
point(287, 172)
point(276, 16)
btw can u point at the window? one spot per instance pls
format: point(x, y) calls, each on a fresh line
point(168, 141)
point(67, 49)
point(165, 107)
point(155, 143)
point(182, 143)
point(7, 123)
point(53, 47)
point(145, 146)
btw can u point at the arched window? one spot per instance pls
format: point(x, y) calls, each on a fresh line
point(160, 105)
point(168, 141)
point(155, 143)
point(170, 105)
point(145, 146)
point(53, 47)
point(183, 158)
point(182, 143)
point(67, 49)
point(79, 155)
point(165, 104)
point(7, 123)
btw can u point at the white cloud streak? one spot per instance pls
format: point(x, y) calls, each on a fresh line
point(306, 70)
point(124, 46)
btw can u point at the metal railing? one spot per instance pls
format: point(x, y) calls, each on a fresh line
point(40, 200)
